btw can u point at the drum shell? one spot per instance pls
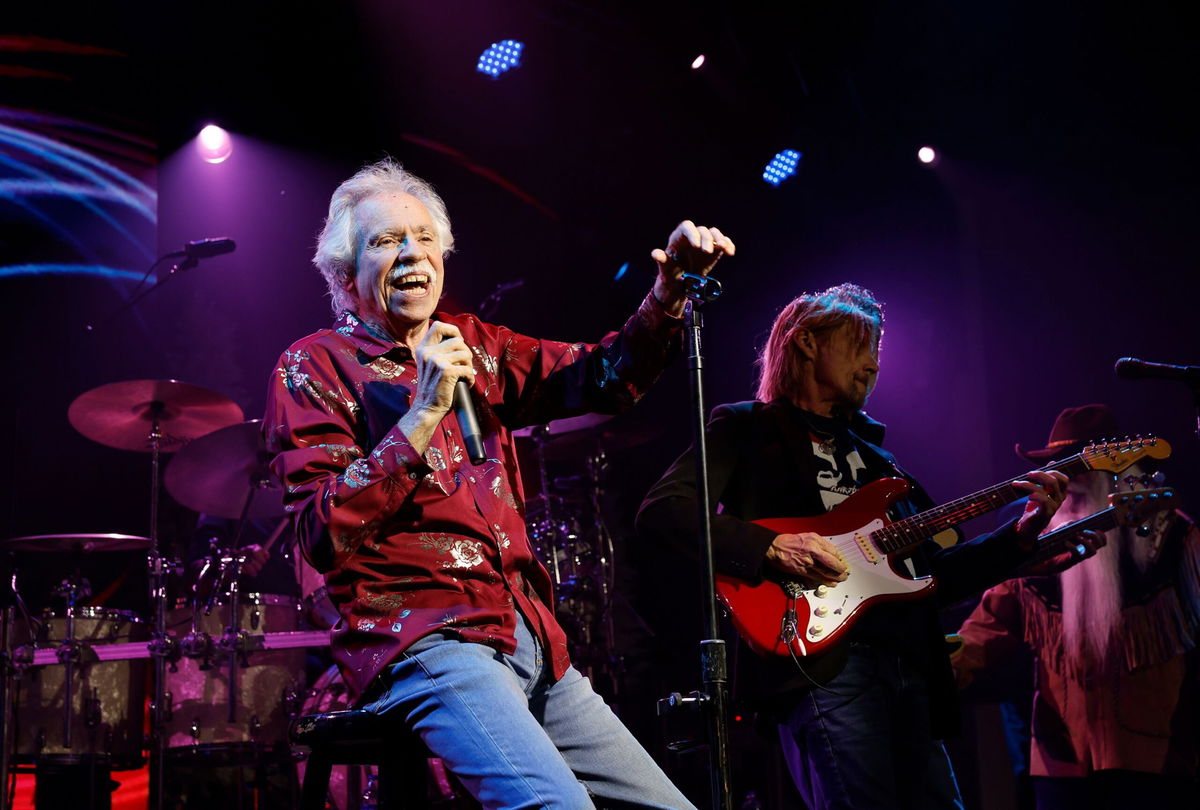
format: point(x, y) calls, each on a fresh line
point(107, 697)
point(266, 688)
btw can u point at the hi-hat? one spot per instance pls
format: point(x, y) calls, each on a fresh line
point(215, 474)
point(86, 543)
point(122, 414)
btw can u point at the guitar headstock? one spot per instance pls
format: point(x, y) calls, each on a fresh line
point(1115, 456)
point(1136, 508)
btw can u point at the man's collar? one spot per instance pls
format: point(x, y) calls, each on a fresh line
point(363, 337)
point(861, 423)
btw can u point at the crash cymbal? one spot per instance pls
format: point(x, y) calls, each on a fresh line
point(581, 436)
point(122, 414)
point(86, 543)
point(216, 473)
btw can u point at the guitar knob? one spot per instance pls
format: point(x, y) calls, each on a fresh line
point(821, 612)
point(821, 592)
point(816, 630)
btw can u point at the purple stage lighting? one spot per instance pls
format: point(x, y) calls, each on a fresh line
point(499, 57)
point(698, 62)
point(782, 166)
point(214, 144)
point(927, 155)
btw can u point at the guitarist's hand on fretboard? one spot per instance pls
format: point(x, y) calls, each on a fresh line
point(808, 556)
point(1046, 490)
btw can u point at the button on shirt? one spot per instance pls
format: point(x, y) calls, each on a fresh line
point(415, 543)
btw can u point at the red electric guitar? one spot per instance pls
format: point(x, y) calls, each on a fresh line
point(785, 616)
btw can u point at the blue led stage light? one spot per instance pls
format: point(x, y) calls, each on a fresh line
point(500, 56)
point(782, 166)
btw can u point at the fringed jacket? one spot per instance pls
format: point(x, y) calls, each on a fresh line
point(1141, 711)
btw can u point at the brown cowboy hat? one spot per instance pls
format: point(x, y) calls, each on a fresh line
point(1074, 428)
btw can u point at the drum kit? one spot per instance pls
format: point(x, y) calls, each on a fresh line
point(215, 678)
point(225, 673)
point(571, 535)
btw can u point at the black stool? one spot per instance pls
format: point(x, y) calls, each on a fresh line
point(360, 738)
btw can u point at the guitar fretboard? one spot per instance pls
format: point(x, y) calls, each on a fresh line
point(912, 531)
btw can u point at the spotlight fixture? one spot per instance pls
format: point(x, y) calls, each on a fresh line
point(927, 155)
point(499, 57)
point(214, 144)
point(782, 166)
point(698, 62)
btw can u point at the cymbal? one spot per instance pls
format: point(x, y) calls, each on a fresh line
point(86, 543)
point(121, 414)
point(215, 474)
point(568, 425)
point(581, 436)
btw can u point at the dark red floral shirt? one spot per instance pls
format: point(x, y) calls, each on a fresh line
point(414, 543)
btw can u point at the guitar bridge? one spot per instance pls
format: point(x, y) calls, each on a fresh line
point(793, 590)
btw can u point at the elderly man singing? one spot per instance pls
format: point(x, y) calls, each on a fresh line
point(446, 619)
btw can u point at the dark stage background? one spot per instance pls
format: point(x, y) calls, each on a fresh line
point(1055, 235)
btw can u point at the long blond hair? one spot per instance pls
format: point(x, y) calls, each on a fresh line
point(779, 363)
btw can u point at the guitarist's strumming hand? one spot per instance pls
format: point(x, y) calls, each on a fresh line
point(808, 556)
point(1047, 489)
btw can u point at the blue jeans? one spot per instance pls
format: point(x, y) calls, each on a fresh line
point(514, 738)
point(866, 742)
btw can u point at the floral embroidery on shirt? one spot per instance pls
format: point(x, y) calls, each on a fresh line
point(350, 541)
point(435, 459)
point(289, 370)
point(340, 453)
point(387, 443)
point(386, 369)
point(388, 602)
point(501, 536)
point(502, 492)
point(357, 474)
point(463, 553)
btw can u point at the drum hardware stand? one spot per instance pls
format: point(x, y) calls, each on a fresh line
point(7, 677)
point(69, 652)
point(162, 646)
point(13, 662)
point(234, 641)
point(713, 662)
point(541, 435)
point(597, 466)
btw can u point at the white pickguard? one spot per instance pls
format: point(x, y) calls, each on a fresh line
point(830, 606)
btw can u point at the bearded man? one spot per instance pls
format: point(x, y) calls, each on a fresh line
point(1114, 718)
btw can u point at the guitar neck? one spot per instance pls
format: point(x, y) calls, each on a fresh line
point(1055, 542)
point(910, 532)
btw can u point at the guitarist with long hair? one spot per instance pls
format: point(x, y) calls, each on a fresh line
point(860, 719)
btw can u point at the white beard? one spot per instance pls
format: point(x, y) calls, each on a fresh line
point(1091, 590)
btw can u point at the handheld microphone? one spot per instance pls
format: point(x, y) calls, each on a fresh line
point(468, 422)
point(206, 248)
point(1131, 368)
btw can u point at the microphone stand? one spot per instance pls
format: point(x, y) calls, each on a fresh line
point(182, 261)
point(714, 697)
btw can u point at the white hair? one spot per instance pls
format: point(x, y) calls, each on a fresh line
point(336, 244)
point(1092, 590)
